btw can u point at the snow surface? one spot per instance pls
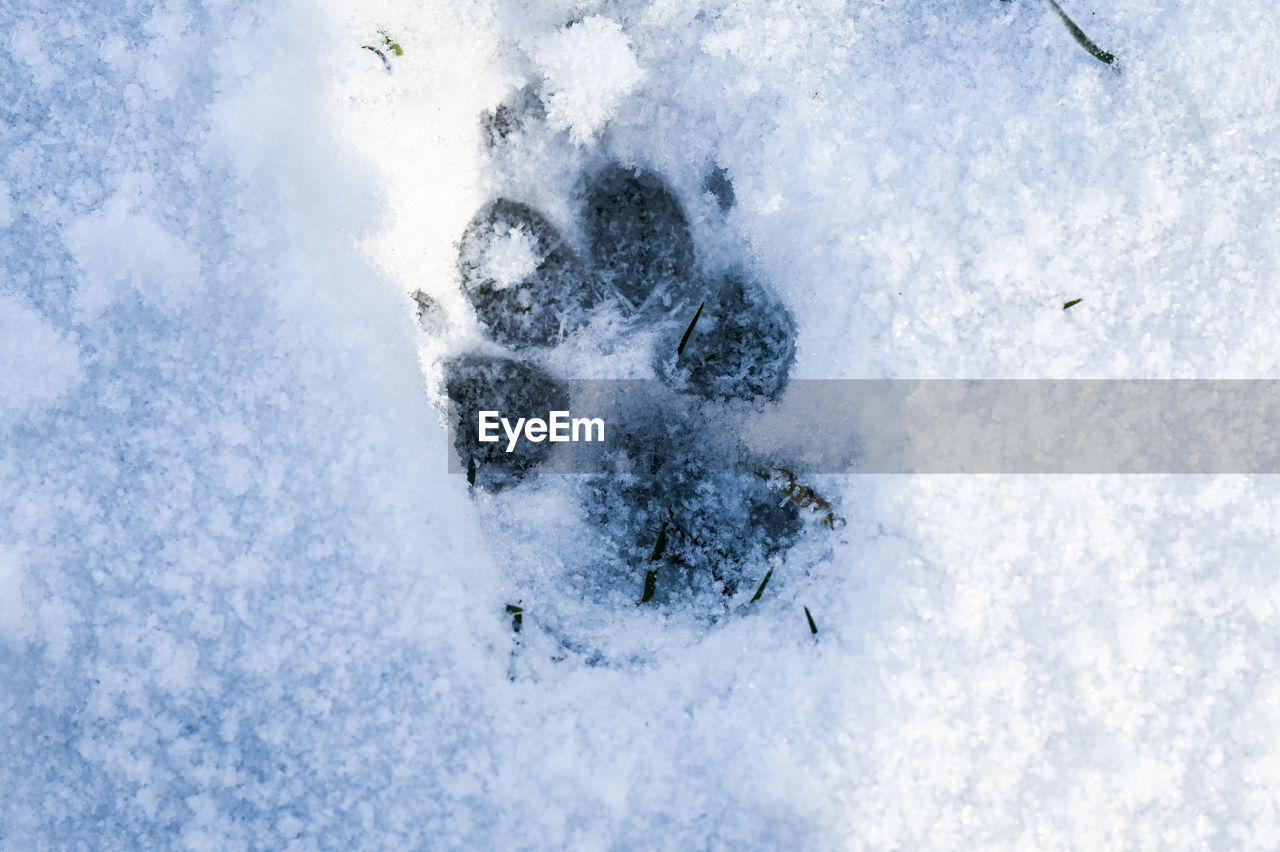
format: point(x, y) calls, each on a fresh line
point(243, 606)
point(512, 257)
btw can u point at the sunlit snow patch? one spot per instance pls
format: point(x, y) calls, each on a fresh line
point(590, 68)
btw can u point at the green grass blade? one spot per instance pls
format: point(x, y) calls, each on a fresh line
point(650, 584)
point(763, 583)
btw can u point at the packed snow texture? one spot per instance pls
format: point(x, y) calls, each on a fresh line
point(589, 69)
point(243, 606)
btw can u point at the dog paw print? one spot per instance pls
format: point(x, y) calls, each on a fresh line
point(678, 521)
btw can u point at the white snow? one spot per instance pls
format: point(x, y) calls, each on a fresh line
point(242, 605)
point(116, 248)
point(589, 69)
point(14, 616)
point(38, 363)
point(6, 206)
point(509, 258)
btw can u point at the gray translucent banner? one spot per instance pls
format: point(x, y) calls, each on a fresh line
point(928, 426)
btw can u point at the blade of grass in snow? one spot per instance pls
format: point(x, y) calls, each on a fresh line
point(651, 576)
point(386, 63)
point(1078, 34)
point(763, 583)
point(660, 545)
point(650, 583)
point(688, 331)
point(391, 44)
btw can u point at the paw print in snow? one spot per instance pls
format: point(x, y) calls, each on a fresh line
point(677, 522)
point(525, 284)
